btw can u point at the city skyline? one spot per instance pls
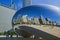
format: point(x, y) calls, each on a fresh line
point(34, 20)
point(44, 10)
point(38, 2)
point(30, 19)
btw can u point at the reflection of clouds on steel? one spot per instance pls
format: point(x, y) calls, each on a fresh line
point(55, 8)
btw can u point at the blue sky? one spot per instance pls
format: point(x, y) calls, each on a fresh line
point(18, 3)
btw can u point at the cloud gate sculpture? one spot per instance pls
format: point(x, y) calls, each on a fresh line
point(25, 20)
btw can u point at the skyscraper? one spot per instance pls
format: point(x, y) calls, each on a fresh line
point(36, 20)
point(42, 20)
point(12, 6)
point(25, 18)
point(26, 3)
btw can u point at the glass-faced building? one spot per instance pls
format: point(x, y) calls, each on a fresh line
point(26, 3)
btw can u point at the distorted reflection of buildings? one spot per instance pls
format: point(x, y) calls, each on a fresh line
point(26, 20)
point(42, 20)
point(36, 20)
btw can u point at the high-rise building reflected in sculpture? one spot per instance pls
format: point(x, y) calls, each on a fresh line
point(26, 3)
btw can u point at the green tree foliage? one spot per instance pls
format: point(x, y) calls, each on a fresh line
point(9, 33)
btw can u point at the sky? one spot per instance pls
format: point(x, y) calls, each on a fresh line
point(18, 3)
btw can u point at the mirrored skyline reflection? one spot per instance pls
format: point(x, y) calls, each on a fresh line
point(19, 4)
point(44, 10)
